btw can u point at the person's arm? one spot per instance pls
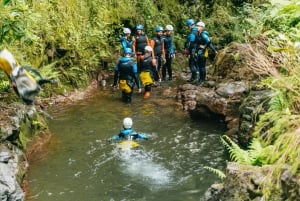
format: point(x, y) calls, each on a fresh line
point(142, 136)
point(152, 44)
point(133, 44)
point(33, 71)
point(38, 77)
point(212, 47)
point(115, 137)
point(163, 50)
point(123, 43)
point(189, 43)
point(172, 49)
point(147, 40)
point(136, 77)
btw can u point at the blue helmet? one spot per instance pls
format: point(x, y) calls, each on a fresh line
point(139, 27)
point(159, 28)
point(128, 51)
point(190, 22)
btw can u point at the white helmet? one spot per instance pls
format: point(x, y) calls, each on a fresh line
point(127, 122)
point(200, 24)
point(148, 48)
point(126, 31)
point(169, 27)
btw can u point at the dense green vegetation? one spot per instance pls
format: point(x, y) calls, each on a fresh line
point(71, 40)
point(276, 134)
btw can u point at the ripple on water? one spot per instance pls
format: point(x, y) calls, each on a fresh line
point(141, 164)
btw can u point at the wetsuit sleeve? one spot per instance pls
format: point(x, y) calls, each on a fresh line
point(142, 136)
point(189, 41)
point(123, 43)
point(115, 137)
point(33, 71)
point(208, 41)
point(172, 51)
point(136, 75)
point(163, 51)
point(212, 47)
point(37, 76)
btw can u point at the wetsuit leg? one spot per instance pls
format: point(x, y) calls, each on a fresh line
point(193, 68)
point(164, 71)
point(202, 68)
point(126, 97)
point(169, 67)
point(148, 87)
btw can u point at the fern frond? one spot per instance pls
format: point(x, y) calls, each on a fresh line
point(219, 173)
point(279, 102)
point(236, 153)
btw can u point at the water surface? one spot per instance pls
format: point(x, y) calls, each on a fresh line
point(82, 165)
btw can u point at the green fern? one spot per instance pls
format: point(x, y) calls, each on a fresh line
point(236, 153)
point(219, 173)
point(50, 71)
point(256, 154)
point(279, 102)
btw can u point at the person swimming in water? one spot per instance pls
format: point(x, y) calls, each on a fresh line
point(127, 133)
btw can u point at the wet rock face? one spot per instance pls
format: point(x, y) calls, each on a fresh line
point(221, 100)
point(15, 120)
point(255, 104)
point(236, 186)
point(9, 187)
point(243, 183)
point(231, 83)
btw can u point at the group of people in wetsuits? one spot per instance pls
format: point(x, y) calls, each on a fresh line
point(154, 58)
point(196, 48)
point(144, 62)
point(151, 56)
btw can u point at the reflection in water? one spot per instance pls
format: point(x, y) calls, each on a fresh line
point(82, 165)
point(148, 109)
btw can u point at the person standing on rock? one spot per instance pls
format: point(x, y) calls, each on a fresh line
point(158, 46)
point(169, 53)
point(190, 49)
point(127, 76)
point(203, 42)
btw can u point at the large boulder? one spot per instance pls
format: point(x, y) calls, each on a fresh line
point(10, 189)
point(243, 183)
point(19, 123)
